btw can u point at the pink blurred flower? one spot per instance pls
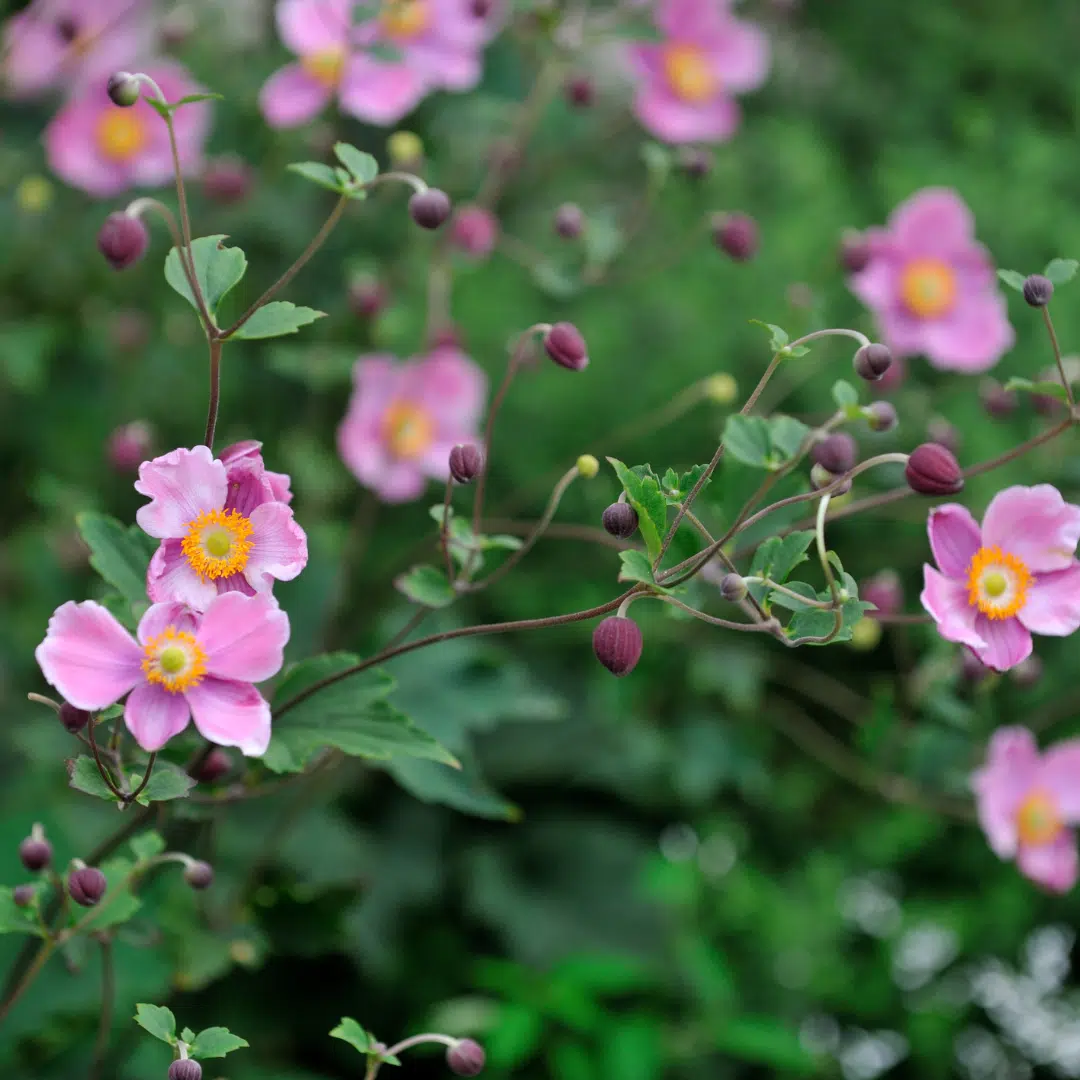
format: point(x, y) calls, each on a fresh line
point(1017, 575)
point(405, 418)
point(75, 42)
point(474, 231)
point(182, 666)
point(1026, 803)
point(687, 82)
point(933, 287)
point(104, 149)
point(221, 525)
point(129, 445)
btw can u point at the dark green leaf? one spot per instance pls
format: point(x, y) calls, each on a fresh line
point(644, 495)
point(1044, 389)
point(427, 586)
point(148, 844)
point(362, 167)
point(1061, 271)
point(764, 1040)
point(216, 1042)
point(816, 622)
point(786, 434)
point(636, 566)
point(83, 775)
point(844, 394)
point(167, 781)
point(555, 282)
point(746, 439)
point(190, 99)
point(158, 1020)
point(778, 337)
point(317, 173)
point(277, 319)
point(1013, 279)
point(217, 270)
point(118, 553)
point(351, 1032)
point(603, 238)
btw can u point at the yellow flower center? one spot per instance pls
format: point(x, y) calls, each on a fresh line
point(404, 18)
point(218, 543)
point(407, 429)
point(174, 660)
point(325, 67)
point(689, 73)
point(928, 288)
point(1037, 819)
point(997, 583)
point(121, 134)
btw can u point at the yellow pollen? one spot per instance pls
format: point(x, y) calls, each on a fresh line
point(1037, 820)
point(928, 288)
point(218, 543)
point(997, 583)
point(407, 429)
point(689, 74)
point(404, 18)
point(121, 134)
point(174, 660)
point(325, 67)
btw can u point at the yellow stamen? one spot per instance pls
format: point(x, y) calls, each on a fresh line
point(174, 660)
point(407, 429)
point(218, 543)
point(121, 134)
point(1037, 819)
point(404, 18)
point(997, 583)
point(928, 288)
point(325, 67)
point(689, 74)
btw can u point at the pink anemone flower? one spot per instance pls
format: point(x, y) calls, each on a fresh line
point(933, 287)
point(221, 527)
point(1026, 804)
point(1016, 575)
point(183, 665)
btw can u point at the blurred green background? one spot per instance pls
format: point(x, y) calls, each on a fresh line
point(738, 861)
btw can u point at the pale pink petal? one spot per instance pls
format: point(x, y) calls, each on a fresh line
point(159, 617)
point(314, 26)
point(154, 716)
point(378, 92)
point(1059, 773)
point(645, 60)
point(1001, 785)
point(181, 485)
point(973, 337)
point(88, 656)
point(399, 482)
point(877, 286)
point(291, 97)
point(1052, 606)
point(279, 548)
point(901, 331)
point(231, 714)
point(1053, 865)
point(243, 637)
point(377, 380)
point(247, 450)
point(171, 578)
point(279, 486)
point(933, 220)
point(452, 387)
point(435, 460)
point(1034, 523)
point(947, 602)
point(443, 64)
point(677, 121)
point(34, 54)
point(691, 20)
point(954, 539)
point(1007, 642)
point(73, 155)
point(454, 23)
point(361, 448)
point(741, 55)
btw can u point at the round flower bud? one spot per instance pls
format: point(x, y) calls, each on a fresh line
point(406, 150)
point(129, 446)
point(466, 462)
point(617, 644)
point(820, 477)
point(185, 1069)
point(893, 377)
point(932, 470)
point(881, 416)
point(86, 886)
point(998, 402)
point(854, 252)
point(74, 720)
point(465, 1058)
point(475, 231)
point(22, 895)
point(35, 852)
point(940, 431)
point(579, 91)
point(569, 221)
point(122, 88)
point(214, 766)
point(1038, 290)
point(227, 180)
point(367, 297)
point(620, 519)
point(872, 361)
point(721, 388)
point(733, 588)
point(199, 875)
point(736, 235)
point(565, 345)
point(587, 466)
point(123, 240)
point(695, 162)
point(429, 208)
point(884, 591)
point(1028, 672)
point(836, 452)
point(865, 634)
point(480, 9)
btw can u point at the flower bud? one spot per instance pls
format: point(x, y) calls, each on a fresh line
point(854, 252)
point(475, 231)
point(881, 416)
point(940, 431)
point(579, 91)
point(721, 388)
point(617, 644)
point(1038, 290)
point(998, 402)
point(587, 466)
point(480, 9)
point(1028, 672)
point(465, 1058)
point(22, 895)
point(122, 88)
point(872, 361)
point(893, 377)
point(695, 162)
point(74, 720)
point(836, 452)
point(86, 886)
point(932, 470)
point(569, 221)
point(865, 635)
point(227, 180)
point(736, 235)
point(733, 588)
point(129, 446)
point(123, 240)
point(35, 852)
point(820, 477)
point(620, 519)
point(884, 591)
point(185, 1069)
point(466, 462)
point(565, 345)
point(214, 766)
point(406, 150)
point(199, 875)
point(972, 669)
point(367, 297)
point(429, 208)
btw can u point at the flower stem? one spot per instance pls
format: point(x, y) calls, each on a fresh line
point(108, 990)
point(215, 391)
point(1057, 359)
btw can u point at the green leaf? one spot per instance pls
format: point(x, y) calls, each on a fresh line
point(351, 1032)
point(603, 238)
point(658, 161)
point(676, 487)
point(844, 394)
point(764, 1040)
point(217, 270)
point(188, 1036)
point(148, 844)
point(216, 1042)
point(1061, 271)
point(317, 173)
point(83, 775)
point(167, 781)
point(1013, 279)
point(1044, 389)
point(426, 585)
point(277, 319)
point(636, 566)
point(803, 588)
point(816, 622)
point(15, 919)
point(119, 903)
point(786, 434)
point(118, 553)
point(556, 283)
point(190, 99)
point(644, 495)
point(362, 167)
point(776, 557)
point(778, 335)
point(746, 439)
point(158, 1020)
point(111, 713)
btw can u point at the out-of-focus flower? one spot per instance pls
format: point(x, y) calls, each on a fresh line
point(474, 231)
point(129, 446)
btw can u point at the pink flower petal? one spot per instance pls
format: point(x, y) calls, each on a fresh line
point(88, 656)
point(34, 54)
point(181, 485)
point(73, 155)
point(243, 637)
point(231, 714)
point(159, 617)
point(154, 716)
point(279, 548)
point(933, 220)
point(902, 332)
point(452, 387)
point(1053, 603)
point(947, 602)
point(973, 337)
point(1034, 523)
point(954, 539)
point(1011, 769)
point(1007, 642)
point(691, 20)
point(291, 97)
point(677, 121)
point(170, 578)
point(741, 55)
point(279, 486)
point(399, 482)
point(1053, 865)
point(443, 64)
point(378, 92)
point(314, 26)
point(1059, 773)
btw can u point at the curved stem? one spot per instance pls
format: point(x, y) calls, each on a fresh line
point(145, 780)
point(105, 774)
point(770, 626)
point(416, 1040)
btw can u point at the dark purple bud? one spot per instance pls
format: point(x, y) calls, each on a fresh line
point(617, 644)
point(565, 345)
point(932, 470)
point(465, 1058)
point(881, 416)
point(129, 446)
point(854, 252)
point(972, 669)
point(73, 719)
point(1038, 290)
point(892, 378)
point(569, 221)
point(35, 851)
point(122, 88)
point(1028, 672)
point(67, 30)
point(227, 180)
point(86, 886)
point(123, 240)
point(466, 462)
point(940, 431)
point(695, 162)
point(820, 477)
point(445, 337)
point(733, 588)
point(481, 9)
point(736, 235)
point(22, 895)
point(872, 361)
point(185, 1069)
point(884, 591)
point(998, 402)
point(620, 519)
point(474, 231)
point(579, 91)
point(199, 875)
point(836, 452)
point(214, 766)
point(367, 297)
point(429, 208)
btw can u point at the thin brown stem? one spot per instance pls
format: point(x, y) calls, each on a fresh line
point(215, 392)
point(44, 951)
point(1057, 359)
point(145, 780)
point(105, 774)
point(770, 626)
point(108, 993)
point(444, 530)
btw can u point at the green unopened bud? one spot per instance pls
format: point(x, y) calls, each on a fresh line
point(587, 466)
